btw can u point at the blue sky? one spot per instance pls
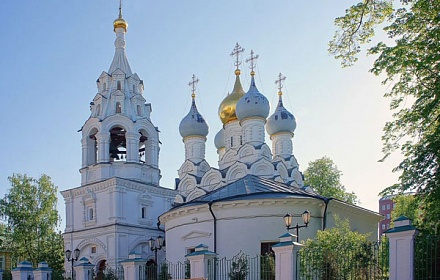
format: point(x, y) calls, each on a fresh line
point(53, 51)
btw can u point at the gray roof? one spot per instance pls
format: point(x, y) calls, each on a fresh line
point(251, 187)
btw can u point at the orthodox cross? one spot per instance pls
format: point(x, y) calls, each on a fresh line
point(252, 61)
point(236, 52)
point(279, 82)
point(193, 85)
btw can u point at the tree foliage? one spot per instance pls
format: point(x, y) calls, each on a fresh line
point(31, 215)
point(411, 64)
point(323, 176)
point(340, 253)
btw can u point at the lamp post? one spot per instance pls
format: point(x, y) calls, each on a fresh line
point(288, 221)
point(156, 245)
point(72, 259)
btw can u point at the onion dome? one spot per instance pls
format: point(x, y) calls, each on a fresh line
point(253, 103)
point(227, 108)
point(193, 123)
point(219, 140)
point(120, 22)
point(281, 120)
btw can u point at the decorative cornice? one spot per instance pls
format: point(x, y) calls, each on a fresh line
point(118, 182)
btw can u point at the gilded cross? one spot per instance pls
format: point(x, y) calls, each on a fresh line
point(193, 85)
point(252, 60)
point(236, 52)
point(279, 82)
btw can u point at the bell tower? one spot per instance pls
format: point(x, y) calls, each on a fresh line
point(114, 211)
point(119, 139)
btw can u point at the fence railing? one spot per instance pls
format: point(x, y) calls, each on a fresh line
point(242, 267)
point(165, 271)
point(365, 261)
point(426, 257)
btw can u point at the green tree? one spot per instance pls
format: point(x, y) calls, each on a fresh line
point(323, 176)
point(31, 216)
point(340, 253)
point(410, 62)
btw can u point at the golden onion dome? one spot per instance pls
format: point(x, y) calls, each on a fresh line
point(120, 22)
point(227, 108)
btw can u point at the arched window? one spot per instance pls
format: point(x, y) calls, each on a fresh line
point(118, 108)
point(118, 85)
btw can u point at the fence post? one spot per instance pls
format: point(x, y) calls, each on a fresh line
point(285, 257)
point(43, 272)
point(84, 269)
point(132, 266)
point(198, 261)
point(401, 239)
point(22, 271)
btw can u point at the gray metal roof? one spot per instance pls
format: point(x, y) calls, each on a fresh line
point(250, 187)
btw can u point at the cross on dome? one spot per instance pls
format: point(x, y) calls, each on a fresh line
point(279, 83)
point(193, 85)
point(120, 8)
point(252, 60)
point(236, 52)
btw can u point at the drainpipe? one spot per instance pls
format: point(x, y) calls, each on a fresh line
point(215, 226)
point(324, 216)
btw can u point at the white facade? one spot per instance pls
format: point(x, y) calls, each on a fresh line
point(114, 211)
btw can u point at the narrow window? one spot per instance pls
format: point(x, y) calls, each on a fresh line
point(383, 226)
point(118, 108)
point(232, 142)
point(139, 110)
point(388, 207)
point(91, 214)
point(98, 109)
point(144, 212)
point(134, 89)
point(104, 87)
point(118, 85)
point(93, 250)
point(241, 139)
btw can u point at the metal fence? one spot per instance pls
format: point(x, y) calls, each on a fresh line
point(426, 257)
point(364, 261)
point(242, 267)
point(165, 271)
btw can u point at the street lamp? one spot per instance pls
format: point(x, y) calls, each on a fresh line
point(156, 245)
point(74, 259)
point(288, 221)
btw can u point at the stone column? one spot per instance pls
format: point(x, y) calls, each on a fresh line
point(23, 271)
point(84, 270)
point(285, 257)
point(199, 262)
point(43, 272)
point(132, 140)
point(132, 266)
point(401, 239)
point(103, 139)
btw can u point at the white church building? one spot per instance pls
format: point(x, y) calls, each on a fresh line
point(237, 205)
